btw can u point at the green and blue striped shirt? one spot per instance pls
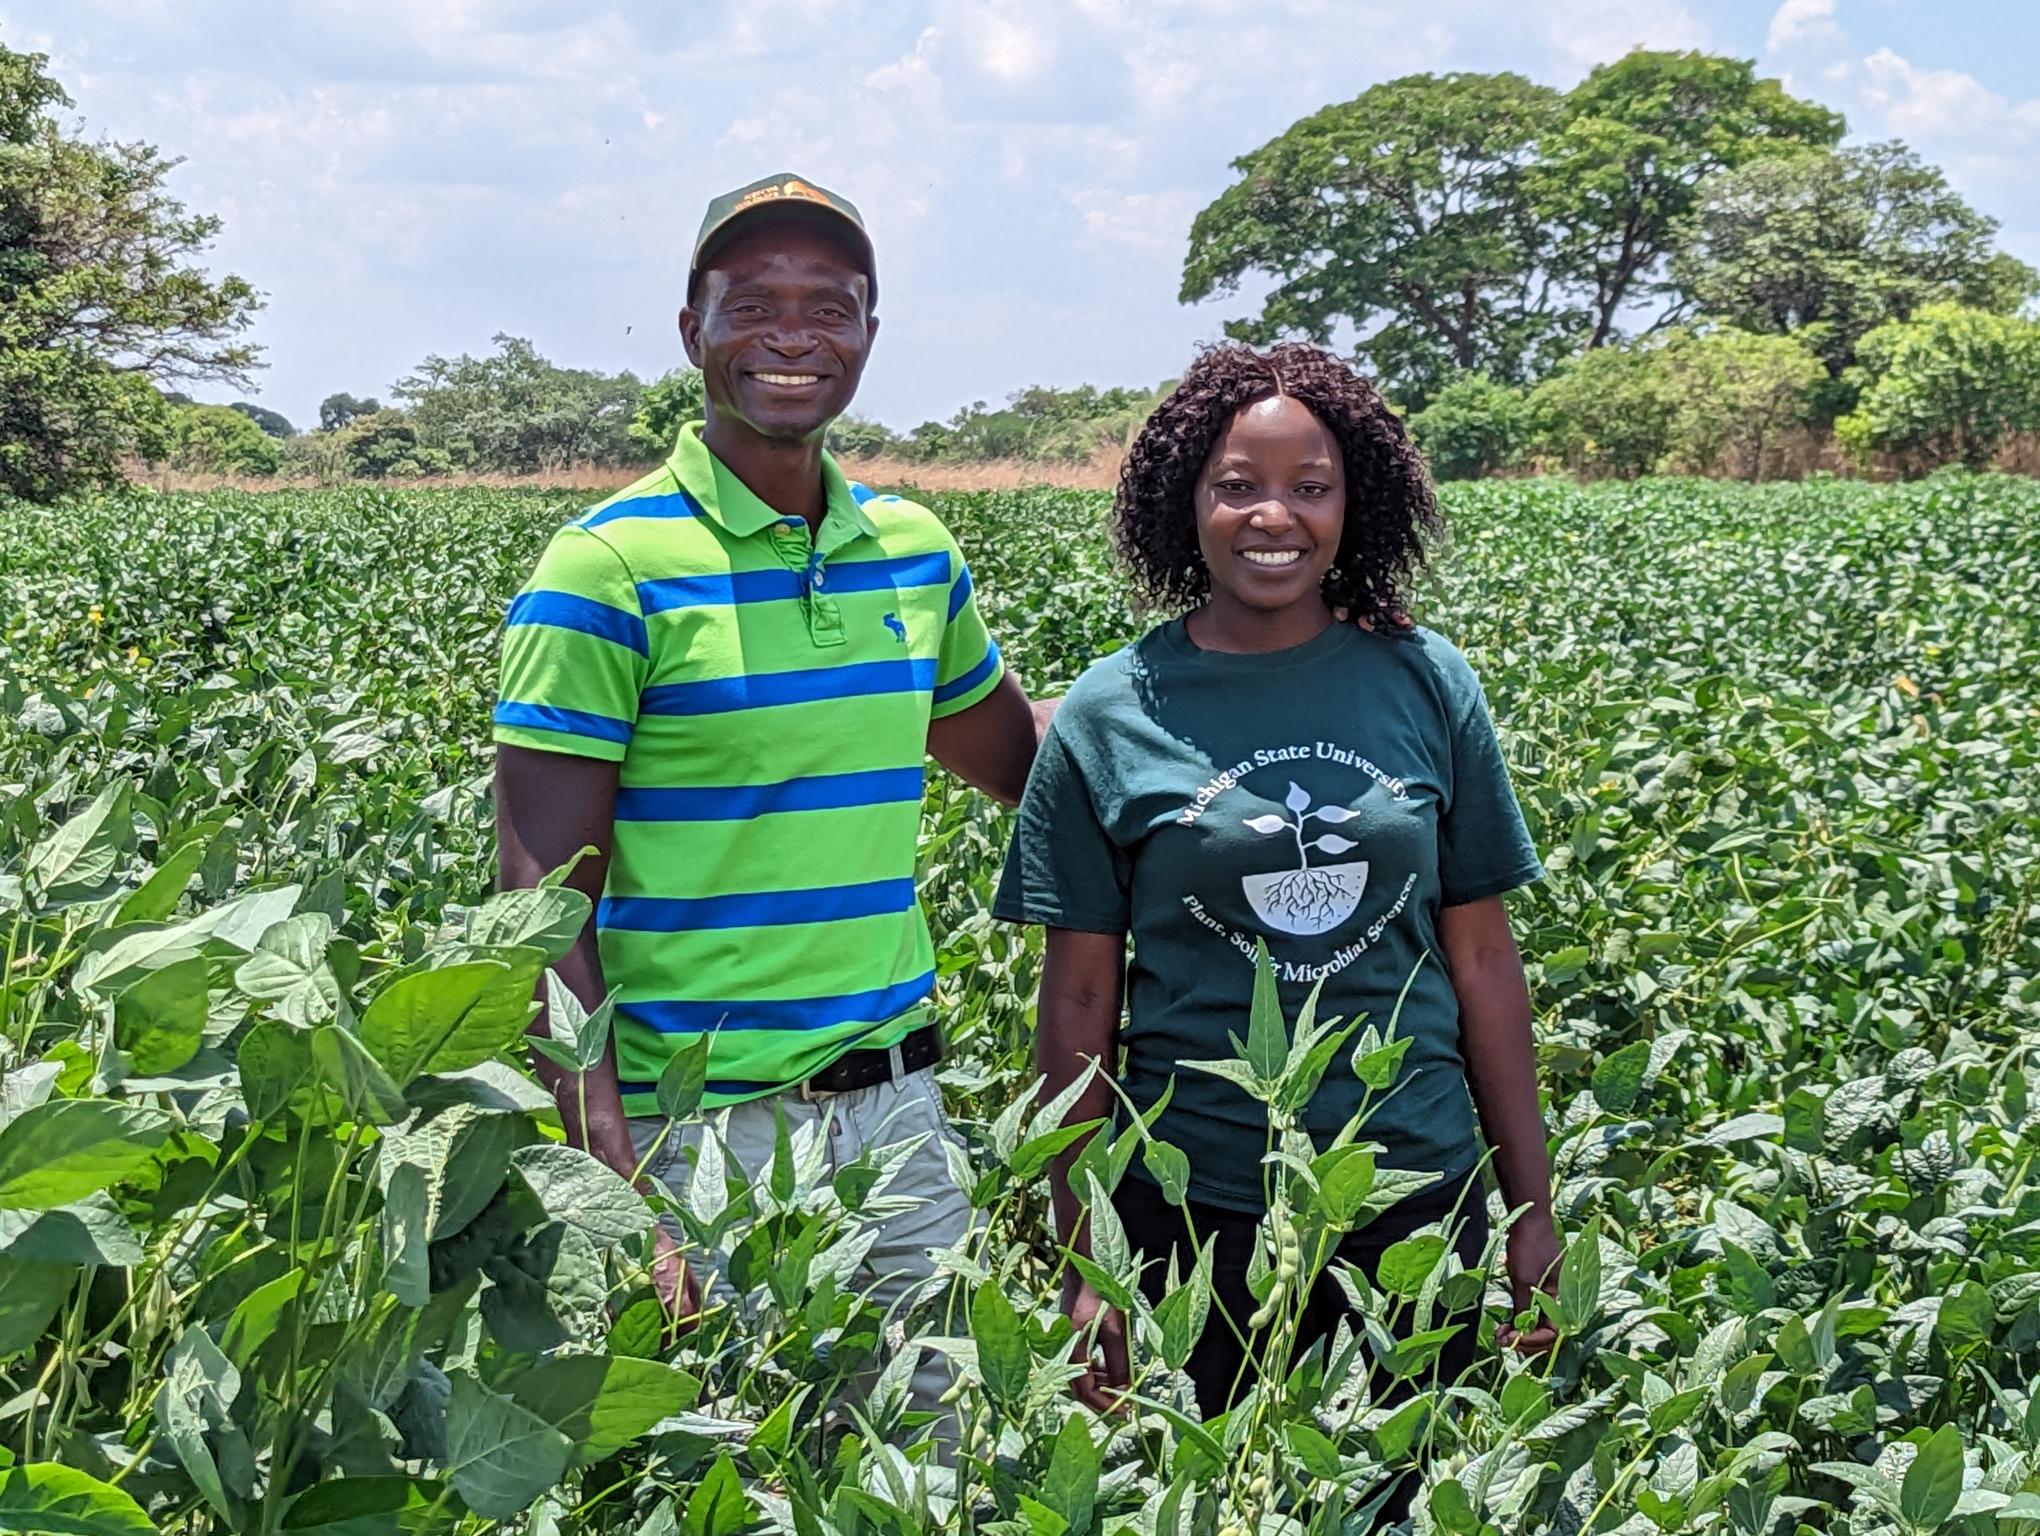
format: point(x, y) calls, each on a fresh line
point(767, 695)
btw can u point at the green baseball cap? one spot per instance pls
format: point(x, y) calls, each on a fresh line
point(783, 194)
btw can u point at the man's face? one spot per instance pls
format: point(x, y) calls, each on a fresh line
point(780, 329)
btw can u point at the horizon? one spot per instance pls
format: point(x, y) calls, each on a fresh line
point(406, 181)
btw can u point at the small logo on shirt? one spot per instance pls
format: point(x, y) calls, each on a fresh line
point(892, 622)
point(1310, 899)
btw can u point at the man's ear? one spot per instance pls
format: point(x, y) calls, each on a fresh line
point(871, 330)
point(690, 333)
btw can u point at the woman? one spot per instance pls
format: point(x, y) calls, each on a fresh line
point(1256, 769)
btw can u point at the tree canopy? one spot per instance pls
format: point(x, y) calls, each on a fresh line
point(1482, 222)
point(101, 300)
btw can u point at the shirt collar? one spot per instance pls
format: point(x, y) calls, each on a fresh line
point(732, 503)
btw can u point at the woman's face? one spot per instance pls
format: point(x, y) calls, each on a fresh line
point(1271, 505)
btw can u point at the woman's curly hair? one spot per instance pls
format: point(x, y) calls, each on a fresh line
point(1391, 512)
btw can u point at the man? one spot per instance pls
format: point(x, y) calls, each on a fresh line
point(726, 679)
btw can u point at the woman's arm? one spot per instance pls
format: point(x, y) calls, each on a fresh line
point(1082, 981)
point(1501, 1067)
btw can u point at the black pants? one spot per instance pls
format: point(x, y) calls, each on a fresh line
point(1220, 1366)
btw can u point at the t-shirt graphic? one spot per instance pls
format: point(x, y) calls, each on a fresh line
point(1327, 801)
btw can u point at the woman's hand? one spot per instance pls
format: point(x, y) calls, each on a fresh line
point(1533, 1260)
point(1108, 1370)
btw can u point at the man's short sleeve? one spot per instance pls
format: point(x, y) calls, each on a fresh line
point(1063, 870)
point(1484, 848)
point(968, 666)
point(575, 653)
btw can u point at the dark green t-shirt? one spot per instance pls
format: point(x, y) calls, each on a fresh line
point(1330, 799)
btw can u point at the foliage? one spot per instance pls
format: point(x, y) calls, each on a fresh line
point(1711, 402)
point(1404, 213)
point(100, 296)
point(1946, 387)
point(517, 412)
point(1479, 222)
point(1040, 424)
point(1831, 245)
point(288, 1243)
point(1639, 139)
point(336, 411)
point(220, 440)
point(1473, 427)
point(387, 445)
point(666, 405)
point(273, 423)
point(859, 437)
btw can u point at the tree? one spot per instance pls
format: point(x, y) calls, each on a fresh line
point(667, 405)
point(1402, 213)
point(100, 301)
point(517, 412)
point(1831, 245)
point(1472, 427)
point(1607, 412)
point(1464, 222)
point(335, 411)
point(1948, 386)
point(1624, 170)
point(273, 423)
point(388, 445)
point(1737, 398)
point(220, 440)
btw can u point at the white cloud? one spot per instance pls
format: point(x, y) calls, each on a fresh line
point(1799, 23)
point(1157, 223)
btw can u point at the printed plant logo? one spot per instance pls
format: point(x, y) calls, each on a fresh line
point(1306, 900)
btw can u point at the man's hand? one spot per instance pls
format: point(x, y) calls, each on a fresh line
point(1533, 1260)
point(674, 1280)
point(1103, 1387)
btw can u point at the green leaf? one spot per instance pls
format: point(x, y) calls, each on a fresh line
point(64, 1150)
point(405, 1217)
point(1345, 1178)
point(545, 917)
point(583, 1037)
point(1003, 1357)
point(88, 1231)
point(29, 1297)
point(1184, 1311)
point(81, 858)
point(198, 1395)
point(160, 1020)
point(1406, 1265)
point(718, 1506)
point(342, 1065)
point(366, 1506)
point(1070, 1487)
point(1267, 1049)
point(1618, 1080)
point(1579, 1280)
point(414, 1025)
point(1933, 1483)
point(499, 1456)
point(583, 1192)
point(601, 1403)
point(288, 970)
point(278, 1075)
point(157, 897)
point(45, 1499)
point(685, 1079)
point(1169, 1166)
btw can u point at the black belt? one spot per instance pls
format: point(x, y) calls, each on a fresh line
point(864, 1068)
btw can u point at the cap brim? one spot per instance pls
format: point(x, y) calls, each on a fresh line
point(789, 211)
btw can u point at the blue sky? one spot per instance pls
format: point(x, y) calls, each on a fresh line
point(404, 177)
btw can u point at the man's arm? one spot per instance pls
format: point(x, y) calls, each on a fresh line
point(990, 746)
point(549, 806)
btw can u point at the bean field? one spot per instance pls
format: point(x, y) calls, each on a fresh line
point(289, 1241)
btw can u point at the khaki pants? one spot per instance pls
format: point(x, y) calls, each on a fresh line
point(898, 1272)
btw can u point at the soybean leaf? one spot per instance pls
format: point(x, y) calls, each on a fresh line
point(415, 1024)
point(79, 860)
point(601, 1403)
point(1267, 1050)
point(288, 970)
point(1070, 1487)
point(500, 1456)
point(1618, 1081)
point(45, 1497)
point(1003, 1358)
point(1933, 1483)
point(30, 1294)
point(160, 1020)
point(67, 1149)
point(583, 1192)
point(157, 897)
point(684, 1080)
point(545, 917)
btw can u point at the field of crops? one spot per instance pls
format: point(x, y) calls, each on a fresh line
point(287, 1243)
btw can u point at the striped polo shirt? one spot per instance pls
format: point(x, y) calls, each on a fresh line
point(767, 695)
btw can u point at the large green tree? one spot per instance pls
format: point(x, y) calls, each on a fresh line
point(100, 297)
point(517, 412)
point(1475, 221)
point(1624, 169)
point(1832, 245)
point(1402, 213)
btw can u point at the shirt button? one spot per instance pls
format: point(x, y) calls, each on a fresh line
point(821, 580)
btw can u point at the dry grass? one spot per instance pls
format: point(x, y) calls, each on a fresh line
point(1098, 473)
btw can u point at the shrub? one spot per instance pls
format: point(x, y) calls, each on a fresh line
point(219, 440)
point(1949, 386)
point(1473, 427)
point(666, 405)
point(386, 445)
